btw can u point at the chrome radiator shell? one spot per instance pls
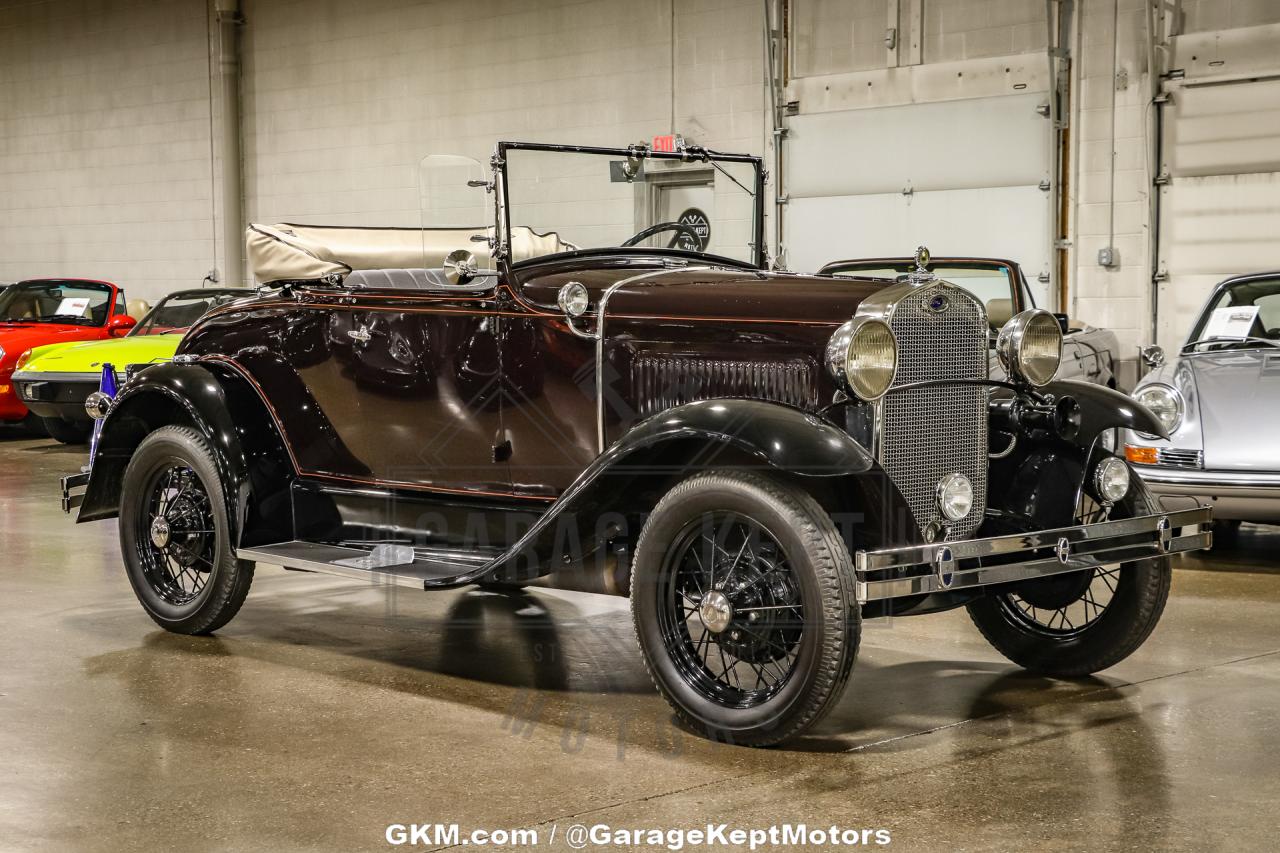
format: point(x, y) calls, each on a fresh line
point(923, 434)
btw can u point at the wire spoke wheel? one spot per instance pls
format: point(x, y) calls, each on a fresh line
point(176, 536)
point(730, 610)
point(1063, 606)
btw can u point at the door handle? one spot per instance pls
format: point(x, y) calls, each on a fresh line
point(362, 334)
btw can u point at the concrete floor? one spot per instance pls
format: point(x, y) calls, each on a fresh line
point(329, 709)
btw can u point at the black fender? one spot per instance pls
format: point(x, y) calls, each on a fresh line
point(250, 457)
point(1103, 408)
point(659, 451)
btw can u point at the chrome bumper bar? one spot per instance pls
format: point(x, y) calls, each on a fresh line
point(70, 499)
point(947, 566)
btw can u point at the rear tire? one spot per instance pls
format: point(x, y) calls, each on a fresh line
point(175, 536)
point(67, 432)
point(743, 601)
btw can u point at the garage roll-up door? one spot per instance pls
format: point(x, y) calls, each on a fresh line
point(962, 177)
point(1220, 208)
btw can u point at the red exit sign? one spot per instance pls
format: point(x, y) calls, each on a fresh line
point(670, 143)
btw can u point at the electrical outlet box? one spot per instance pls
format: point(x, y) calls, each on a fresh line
point(1108, 257)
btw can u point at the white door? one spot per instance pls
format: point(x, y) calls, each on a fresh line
point(1220, 209)
point(962, 177)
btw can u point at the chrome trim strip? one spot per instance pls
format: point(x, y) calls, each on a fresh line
point(54, 376)
point(1188, 477)
point(600, 318)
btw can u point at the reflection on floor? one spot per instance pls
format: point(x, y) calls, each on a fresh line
point(329, 709)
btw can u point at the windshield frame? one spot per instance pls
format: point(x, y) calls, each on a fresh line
point(192, 293)
point(689, 154)
point(84, 284)
point(1019, 288)
point(1202, 319)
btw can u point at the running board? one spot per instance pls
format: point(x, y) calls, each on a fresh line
point(397, 565)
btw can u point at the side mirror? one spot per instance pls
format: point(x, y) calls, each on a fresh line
point(1152, 356)
point(1064, 323)
point(119, 325)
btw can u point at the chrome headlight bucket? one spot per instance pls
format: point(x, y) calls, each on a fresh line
point(98, 405)
point(1030, 347)
point(1111, 480)
point(1165, 403)
point(862, 357)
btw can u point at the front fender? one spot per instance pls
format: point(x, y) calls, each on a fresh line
point(778, 436)
point(626, 480)
point(167, 395)
point(1103, 408)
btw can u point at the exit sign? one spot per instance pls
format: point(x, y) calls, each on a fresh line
point(670, 143)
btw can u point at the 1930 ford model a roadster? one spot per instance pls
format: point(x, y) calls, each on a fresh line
point(774, 457)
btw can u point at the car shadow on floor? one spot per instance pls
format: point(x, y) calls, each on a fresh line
point(539, 657)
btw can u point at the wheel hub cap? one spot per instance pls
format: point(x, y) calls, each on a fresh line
point(160, 532)
point(715, 611)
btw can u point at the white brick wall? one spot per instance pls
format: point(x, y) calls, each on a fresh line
point(104, 143)
point(343, 100)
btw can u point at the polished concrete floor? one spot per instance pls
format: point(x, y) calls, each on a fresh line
point(329, 709)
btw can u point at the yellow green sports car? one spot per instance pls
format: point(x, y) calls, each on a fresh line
point(54, 380)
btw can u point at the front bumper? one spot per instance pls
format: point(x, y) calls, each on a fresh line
point(56, 395)
point(949, 566)
point(1233, 495)
point(73, 490)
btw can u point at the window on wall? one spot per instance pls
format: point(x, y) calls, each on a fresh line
point(973, 29)
point(834, 36)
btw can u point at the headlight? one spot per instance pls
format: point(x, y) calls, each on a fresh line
point(97, 405)
point(1030, 347)
point(955, 496)
point(1164, 402)
point(862, 356)
point(1111, 479)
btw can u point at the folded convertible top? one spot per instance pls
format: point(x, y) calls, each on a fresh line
point(287, 252)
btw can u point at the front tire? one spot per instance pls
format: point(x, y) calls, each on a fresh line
point(1076, 624)
point(743, 601)
point(175, 536)
point(66, 432)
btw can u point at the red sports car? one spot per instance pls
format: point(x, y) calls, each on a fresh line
point(50, 311)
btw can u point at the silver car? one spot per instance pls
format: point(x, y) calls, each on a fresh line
point(1088, 353)
point(1219, 400)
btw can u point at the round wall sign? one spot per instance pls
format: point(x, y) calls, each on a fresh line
point(697, 220)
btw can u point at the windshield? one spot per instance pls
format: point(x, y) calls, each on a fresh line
point(993, 284)
point(1241, 315)
point(82, 303)
point(179, 311)
point(566, 200)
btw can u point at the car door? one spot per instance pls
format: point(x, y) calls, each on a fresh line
point(391, 383)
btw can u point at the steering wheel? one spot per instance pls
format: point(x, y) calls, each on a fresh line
point(680, 228)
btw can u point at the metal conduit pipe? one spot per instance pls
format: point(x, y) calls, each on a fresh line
point(227, 140)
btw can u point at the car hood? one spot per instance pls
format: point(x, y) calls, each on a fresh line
point(18, 338)
point(748, 296)
point(89, 356)
point(1238, 395)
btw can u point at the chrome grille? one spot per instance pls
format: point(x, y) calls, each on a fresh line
point(927, 433)
point(1179, 458)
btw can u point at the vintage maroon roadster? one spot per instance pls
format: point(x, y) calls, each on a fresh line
point(571, 363)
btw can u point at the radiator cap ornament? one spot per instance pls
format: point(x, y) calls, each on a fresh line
point(921, 274)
